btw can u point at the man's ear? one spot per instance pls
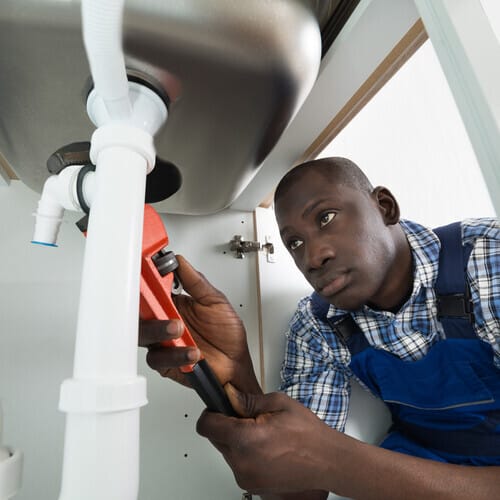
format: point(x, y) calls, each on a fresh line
point(387, 205)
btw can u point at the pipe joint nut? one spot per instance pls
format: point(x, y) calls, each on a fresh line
point(102, 396)
point(120, 135)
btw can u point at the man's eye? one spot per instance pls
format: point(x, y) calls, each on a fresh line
point(294, 244)
point(326, 218)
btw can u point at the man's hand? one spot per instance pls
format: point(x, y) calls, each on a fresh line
point(272, 450)
point(215, 327)
point(283, 447)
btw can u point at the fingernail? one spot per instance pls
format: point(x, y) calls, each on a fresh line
point(193, 354)
point(174, 327)
point(229, 388)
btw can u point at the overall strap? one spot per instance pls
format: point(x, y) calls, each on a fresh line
point(344, 326)
point(455, 309)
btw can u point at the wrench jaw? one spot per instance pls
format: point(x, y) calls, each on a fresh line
point(157, 286)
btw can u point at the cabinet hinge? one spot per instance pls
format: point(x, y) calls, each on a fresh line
point(240, 246)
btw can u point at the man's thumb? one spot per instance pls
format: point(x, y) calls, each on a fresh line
point(250, 405)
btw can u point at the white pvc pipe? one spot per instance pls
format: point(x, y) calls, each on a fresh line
point(108, 315)
point(11, 467)
point(107, 460)
point(103, 398)
point(102, 22)
point(59, 193)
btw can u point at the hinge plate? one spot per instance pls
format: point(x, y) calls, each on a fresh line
point(240, 246)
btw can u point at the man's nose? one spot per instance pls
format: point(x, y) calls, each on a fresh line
point(319, 252)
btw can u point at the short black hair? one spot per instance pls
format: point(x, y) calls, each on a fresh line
point(335, 169)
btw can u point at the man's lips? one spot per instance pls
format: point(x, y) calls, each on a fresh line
point(333, 285)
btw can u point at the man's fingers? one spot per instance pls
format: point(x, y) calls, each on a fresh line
point(155, 331)
point(238, 401)
point(162, 358)
point(218, 428)
point(251, 405)
point(223, 430)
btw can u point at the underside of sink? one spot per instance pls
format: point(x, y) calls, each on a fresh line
point(234, 73)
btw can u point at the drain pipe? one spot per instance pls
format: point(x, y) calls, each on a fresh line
point(11, 467)
point(103, 398)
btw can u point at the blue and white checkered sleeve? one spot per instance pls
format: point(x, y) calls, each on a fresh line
point(484, 279)
point(312, 372)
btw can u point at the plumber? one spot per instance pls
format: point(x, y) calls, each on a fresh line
point(412, 313)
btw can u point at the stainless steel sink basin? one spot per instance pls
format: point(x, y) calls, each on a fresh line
point(235, 72)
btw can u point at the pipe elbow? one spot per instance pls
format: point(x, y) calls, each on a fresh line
point(59, 193)
point(49, 214)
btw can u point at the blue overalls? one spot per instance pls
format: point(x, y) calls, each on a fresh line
point(445, 406)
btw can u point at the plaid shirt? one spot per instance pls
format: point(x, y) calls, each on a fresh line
point(316, 366)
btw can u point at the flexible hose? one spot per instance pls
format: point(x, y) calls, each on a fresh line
point(102, 35)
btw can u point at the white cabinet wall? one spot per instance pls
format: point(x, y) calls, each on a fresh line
point(39, 291)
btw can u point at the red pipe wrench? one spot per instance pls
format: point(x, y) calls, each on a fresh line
point(157, 278)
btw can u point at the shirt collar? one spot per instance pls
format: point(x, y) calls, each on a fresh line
point(425, 247)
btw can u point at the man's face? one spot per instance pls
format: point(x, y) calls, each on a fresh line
point(338, 239)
